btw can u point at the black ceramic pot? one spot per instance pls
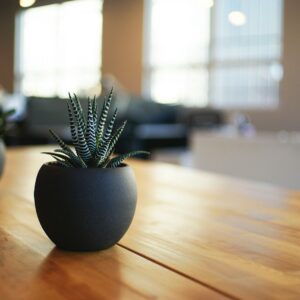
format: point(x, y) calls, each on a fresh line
point(85, 209)
point(2, 156)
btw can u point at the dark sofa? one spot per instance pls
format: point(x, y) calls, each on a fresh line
point(150, 125)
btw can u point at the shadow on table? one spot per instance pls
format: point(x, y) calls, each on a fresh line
point(82, 275)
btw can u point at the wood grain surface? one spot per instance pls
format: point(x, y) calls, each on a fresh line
point(241, 238)
point(194, 236)
point(32, 268)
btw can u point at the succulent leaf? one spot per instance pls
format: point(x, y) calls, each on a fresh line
point(103, 117)
point(108, 132)
point(115, 139)
point(95, 110)
point(72, 125)
point(60, 142)
point(60, 160)
point(80, 110)
point(77, 112)
point(82, 147)
point(76, 160)
point(108, 142)
point(61, 156)
point(118, 160)
point(91, 128)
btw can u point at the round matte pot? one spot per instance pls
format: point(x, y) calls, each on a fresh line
point(2, 156)
point(85, 209)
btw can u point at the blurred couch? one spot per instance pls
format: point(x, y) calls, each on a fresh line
point(150, 125)
point(153, 125)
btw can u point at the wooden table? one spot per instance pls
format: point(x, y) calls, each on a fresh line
point(194, 236)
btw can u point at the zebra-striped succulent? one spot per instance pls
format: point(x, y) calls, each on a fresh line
point(94, 138)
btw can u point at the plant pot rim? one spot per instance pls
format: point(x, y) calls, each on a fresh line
point(123, 166)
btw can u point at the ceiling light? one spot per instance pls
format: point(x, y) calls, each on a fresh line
point(27, 3)
point(237, 18)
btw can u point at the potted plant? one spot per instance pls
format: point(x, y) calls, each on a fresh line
point(85, 200)
point(3, 124)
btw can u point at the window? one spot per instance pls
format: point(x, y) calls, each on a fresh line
point(59, 48)
point(224, 53)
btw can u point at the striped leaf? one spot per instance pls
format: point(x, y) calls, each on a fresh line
point(80, 110)
point(118, 160)
point(82, 146)
point(61, 157)
point(91, 128)
point(77, 160)
point(66, 149)
point(62, 143)
point(112, 143)
point(103, 117)
point(101, 155)
point(110, 127)
point(95, 110)
point(115, 139)
point(108, 141)
point(78, 114)
point(72, 125)
point(60, 160)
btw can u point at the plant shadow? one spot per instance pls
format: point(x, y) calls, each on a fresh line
point(81, 275)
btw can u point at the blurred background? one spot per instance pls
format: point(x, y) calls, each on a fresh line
point(208, 84)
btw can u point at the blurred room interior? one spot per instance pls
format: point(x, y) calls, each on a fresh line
point(208, 84)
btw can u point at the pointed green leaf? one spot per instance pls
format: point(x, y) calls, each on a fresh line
point(108, 142)
point(82, 148)
point(117, 161)
point(77, 112)
point(115, 139)
point(91, 128)
point(72, 125)
point(60, 158)
point(80, 110)
point(103, 117)
point(95, 110)
point(76, 160)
